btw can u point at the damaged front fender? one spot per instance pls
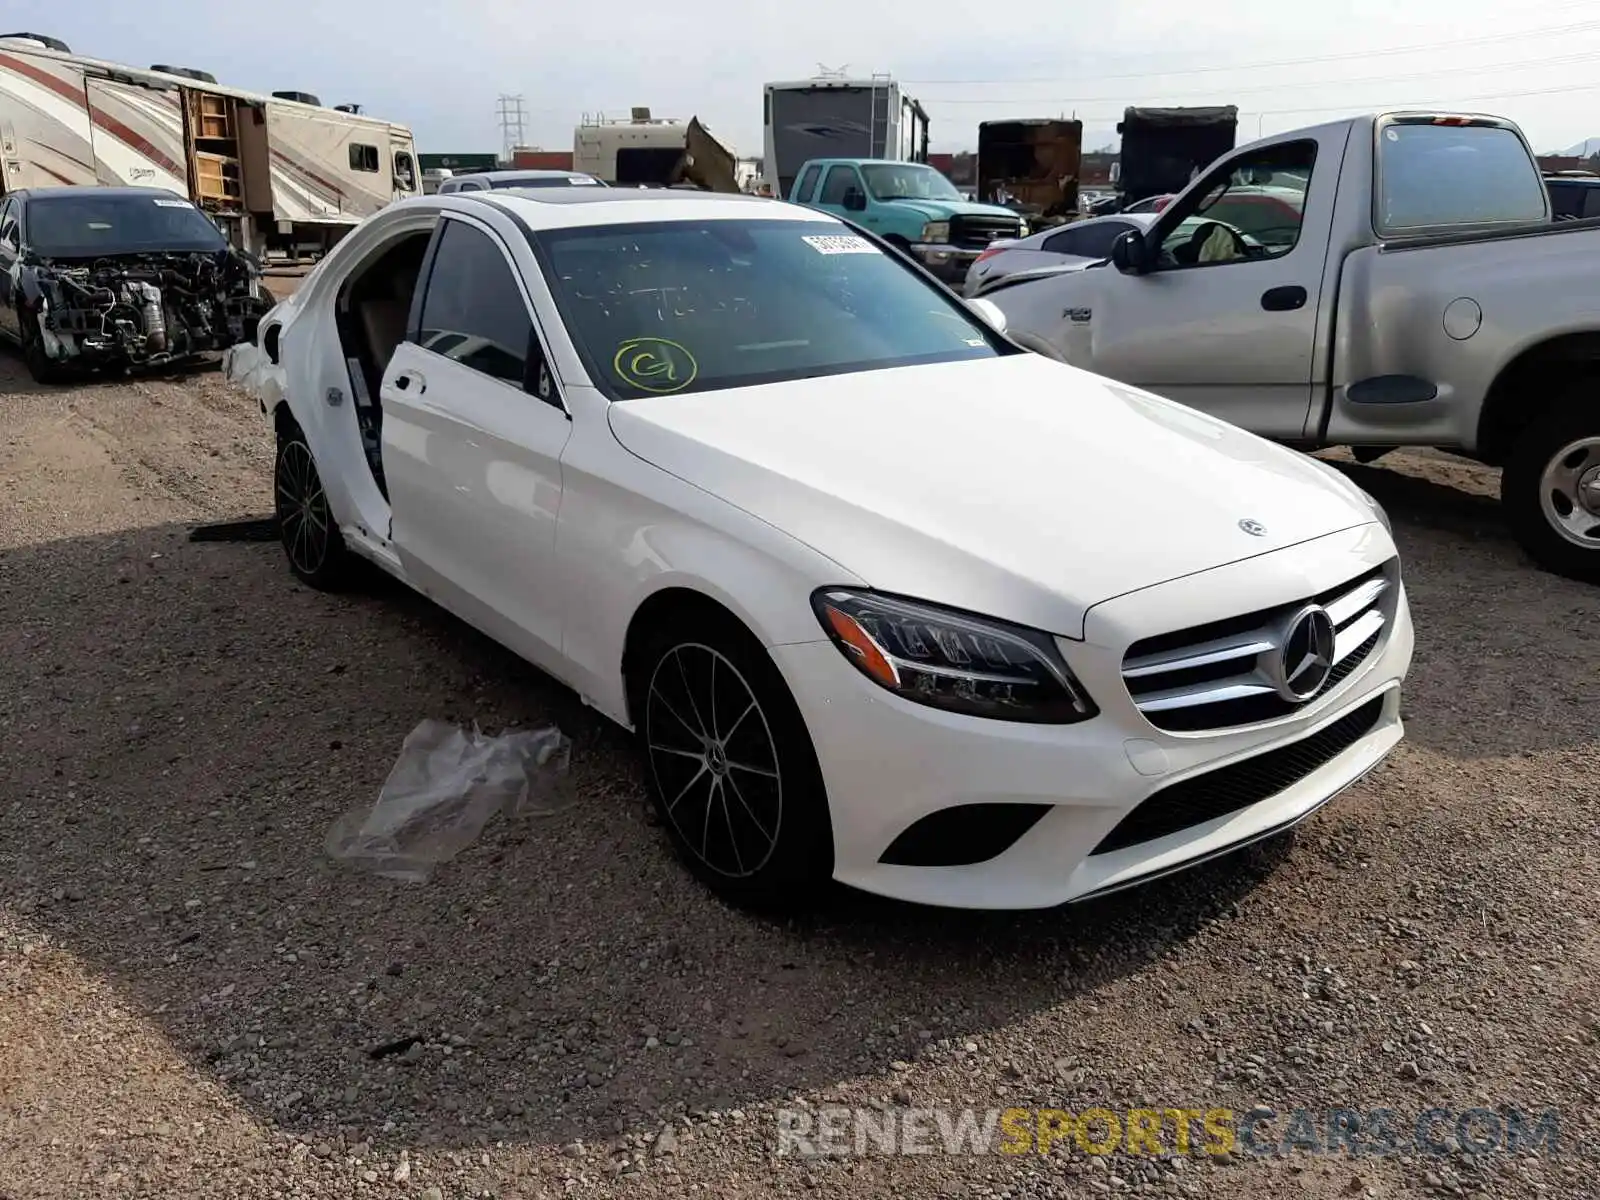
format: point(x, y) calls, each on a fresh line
point(248, 366)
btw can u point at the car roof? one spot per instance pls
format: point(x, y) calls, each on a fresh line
point(523, 173)
point(58, 193)
point(557, 208)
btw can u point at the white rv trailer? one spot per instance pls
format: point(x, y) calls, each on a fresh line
point(835, 116)
point(279, 173)
point(651, 151)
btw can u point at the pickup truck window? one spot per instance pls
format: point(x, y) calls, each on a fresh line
point(1253, 210)
point(1439, 176)
point(840, 180)
point(807, 184)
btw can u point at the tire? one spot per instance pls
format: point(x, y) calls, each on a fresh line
point(41, 367)
point(747, 811)
point(310, 536)
point(1550, 486)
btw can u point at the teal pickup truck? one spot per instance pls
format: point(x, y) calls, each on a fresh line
point(909, 204)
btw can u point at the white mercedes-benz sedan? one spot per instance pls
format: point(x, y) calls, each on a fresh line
point(885, 598)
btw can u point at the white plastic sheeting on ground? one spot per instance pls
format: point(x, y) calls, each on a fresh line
point(445, 787)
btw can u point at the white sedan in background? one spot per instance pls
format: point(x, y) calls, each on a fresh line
point(884, 598)
point(1079, 245)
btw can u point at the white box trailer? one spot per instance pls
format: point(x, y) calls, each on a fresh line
point(277, 174)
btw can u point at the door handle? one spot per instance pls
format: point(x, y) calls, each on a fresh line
point(405, 379)
point(1283, 299)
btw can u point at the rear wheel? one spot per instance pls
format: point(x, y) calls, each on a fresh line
point(732, 771)
point(311, 538)
point(1550, 487)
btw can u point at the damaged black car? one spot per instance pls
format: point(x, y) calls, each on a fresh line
point(103, 278)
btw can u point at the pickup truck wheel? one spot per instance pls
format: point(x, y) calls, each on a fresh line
point(1550, 488)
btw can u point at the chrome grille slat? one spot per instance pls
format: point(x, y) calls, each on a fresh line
point(1183, 698)
point(1355, 633)
point(1356, 600)
point(1203, 655)
point(1222, 675)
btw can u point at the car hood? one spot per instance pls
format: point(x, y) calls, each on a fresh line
point(1018, 487)
point(941, 209)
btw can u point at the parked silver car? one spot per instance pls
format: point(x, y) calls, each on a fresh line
point(1080, 244)
point(482, 181)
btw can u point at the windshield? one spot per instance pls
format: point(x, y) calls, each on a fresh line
point(907, 181)
point(86, 225)
point(694, 306)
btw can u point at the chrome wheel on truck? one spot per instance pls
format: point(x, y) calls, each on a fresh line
point(1551, 489)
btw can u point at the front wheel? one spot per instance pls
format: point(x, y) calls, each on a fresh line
point(41, 366)
point(311, 538)
point(732, 771)
point(1550, 488)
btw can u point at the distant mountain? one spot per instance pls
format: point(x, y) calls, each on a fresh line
point(1582, 149)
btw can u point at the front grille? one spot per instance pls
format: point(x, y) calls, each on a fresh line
point(1228, 789)
point(975, 233)
point(1220, 675)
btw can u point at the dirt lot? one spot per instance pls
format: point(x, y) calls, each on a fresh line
point(189, 989)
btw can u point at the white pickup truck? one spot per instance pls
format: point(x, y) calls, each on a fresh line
point(1406, 288)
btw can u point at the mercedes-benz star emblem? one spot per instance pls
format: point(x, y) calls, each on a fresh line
point(1253, 528)
point(1305, 657)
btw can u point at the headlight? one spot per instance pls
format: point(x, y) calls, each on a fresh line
point(952, 660)
point(1022, 230)
point(936, 231)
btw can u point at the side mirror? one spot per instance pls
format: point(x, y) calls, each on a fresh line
point(1130, 253)
point(989, 312)
point(855, 200)
point(537, 380)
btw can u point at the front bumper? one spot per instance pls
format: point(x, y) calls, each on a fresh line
point(947, 263)
point(888, 763)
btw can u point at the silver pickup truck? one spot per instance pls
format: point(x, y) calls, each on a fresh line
point(1396, 280)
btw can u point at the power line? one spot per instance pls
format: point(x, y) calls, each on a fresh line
point(1589, 57)
point(1549, 31)
point(1431, 105)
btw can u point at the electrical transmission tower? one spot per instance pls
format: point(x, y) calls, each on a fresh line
point(513, 123)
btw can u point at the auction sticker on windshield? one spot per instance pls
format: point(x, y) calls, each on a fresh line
point(172, 204)
point(840, 244)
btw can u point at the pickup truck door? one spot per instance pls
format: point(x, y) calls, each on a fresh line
point(841, 180)
point(1231, 334)
point(472, 455)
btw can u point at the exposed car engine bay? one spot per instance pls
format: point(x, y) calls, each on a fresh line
point(145, 309)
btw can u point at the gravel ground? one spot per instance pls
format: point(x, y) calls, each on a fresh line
point(191, 992)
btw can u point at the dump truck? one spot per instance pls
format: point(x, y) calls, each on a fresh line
point(1164, 148)
point(646, 151)
point(836, 117)
point(1031, 166)
point(280, 174)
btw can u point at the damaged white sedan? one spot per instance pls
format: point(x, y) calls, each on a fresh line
point(885, 598)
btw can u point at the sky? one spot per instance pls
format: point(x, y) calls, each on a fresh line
point(1285, 65)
